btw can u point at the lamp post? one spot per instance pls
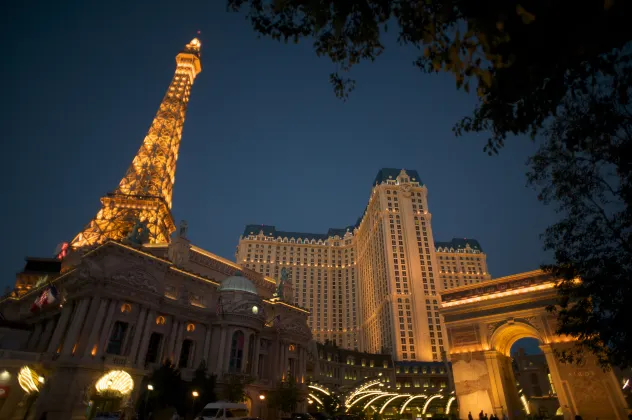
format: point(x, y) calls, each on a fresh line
point(262, 399)
point(150, 388)
point(195, 394)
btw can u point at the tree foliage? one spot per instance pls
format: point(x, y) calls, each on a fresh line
point(204, 384)
point(519, 55)
point(286, 396)
point(584, 168)
point(169, 388)
point(235, 388)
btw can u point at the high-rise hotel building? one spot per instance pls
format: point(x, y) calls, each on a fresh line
point(373, 286)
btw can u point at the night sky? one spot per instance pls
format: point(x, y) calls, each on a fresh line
point(265, 140)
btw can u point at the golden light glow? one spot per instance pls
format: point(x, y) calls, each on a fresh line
point(160, 320)
point(145, 192)
point(412, 397)
point(392, 399)
point(315, 398)
point(500, 294)
point(524, 402)
point(29, 380)
point(323, 390)
point(449, 404)
point(428, 402)
point(94, 350)
point(384, 394)
point(126, 308)
point(368, 394)
point(115, 380)
point(190, 327)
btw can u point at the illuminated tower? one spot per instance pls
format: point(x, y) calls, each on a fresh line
point(144, 194)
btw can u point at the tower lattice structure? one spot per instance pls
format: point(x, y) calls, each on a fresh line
point(144, 195)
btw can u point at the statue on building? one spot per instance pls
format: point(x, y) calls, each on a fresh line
point(184, 228)
point(281, 285)
point(139, 234)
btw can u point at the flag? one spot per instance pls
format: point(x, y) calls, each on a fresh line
point(48, 296)
point(274, 321)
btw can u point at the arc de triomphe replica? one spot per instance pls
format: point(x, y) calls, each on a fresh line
point(484, 320)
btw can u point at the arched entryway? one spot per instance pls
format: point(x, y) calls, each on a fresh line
point(110, 393)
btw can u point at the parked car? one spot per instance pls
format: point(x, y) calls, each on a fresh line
point(224, 410)
point(302, 416)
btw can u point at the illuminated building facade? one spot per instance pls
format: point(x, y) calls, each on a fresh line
point(372, 286)
point(78, 334)
point(461, 262)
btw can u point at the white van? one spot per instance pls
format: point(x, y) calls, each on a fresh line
point(222, 410)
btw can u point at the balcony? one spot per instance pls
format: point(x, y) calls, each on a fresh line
point(17, 355)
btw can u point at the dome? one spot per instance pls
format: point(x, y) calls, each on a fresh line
point(237, 282)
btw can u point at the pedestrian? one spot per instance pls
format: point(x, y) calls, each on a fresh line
point(480, 415)
point(469, 416)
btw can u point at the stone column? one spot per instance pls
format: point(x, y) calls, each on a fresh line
point(504, 393)
point(280, 358)
point(228, 345)
point(35, 336)
point(172, 341)
point(60, 329)
point(105, 330)
point(220, 353)
point(178, 347)
point(246, 353)
point(255, 357)
point(46, 336)
point(95, 328)
point(138, 333)
point(88, 326)
point(139, 358)
point(207, 342)
point(79, 316)
point(213, 355)
point(566, 404)
point(300, 375)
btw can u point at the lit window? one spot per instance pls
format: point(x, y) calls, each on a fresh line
point(126, 308)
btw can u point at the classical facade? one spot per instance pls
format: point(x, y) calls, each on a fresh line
point(129, 308)
point(373, 286)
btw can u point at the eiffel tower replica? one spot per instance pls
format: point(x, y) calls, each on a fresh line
point(143, 198)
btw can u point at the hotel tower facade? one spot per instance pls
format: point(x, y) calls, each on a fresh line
point(373, 286)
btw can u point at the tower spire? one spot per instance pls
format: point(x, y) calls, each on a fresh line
point(144, 194)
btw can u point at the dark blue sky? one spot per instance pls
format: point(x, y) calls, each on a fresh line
point(265, 140)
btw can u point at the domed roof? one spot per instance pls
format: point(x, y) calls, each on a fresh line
point(237, 282)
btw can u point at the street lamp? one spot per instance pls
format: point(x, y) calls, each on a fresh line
point(150, 388)
point(195, 395)
point(262, 398)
